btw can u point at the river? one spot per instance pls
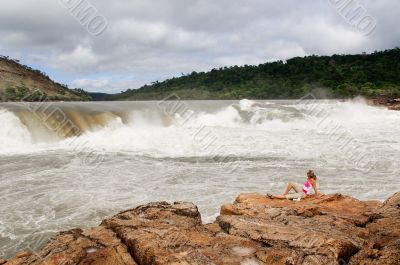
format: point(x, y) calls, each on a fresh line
point(67, 165)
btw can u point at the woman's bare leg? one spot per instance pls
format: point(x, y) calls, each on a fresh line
point(288, 188)
point(283, 196)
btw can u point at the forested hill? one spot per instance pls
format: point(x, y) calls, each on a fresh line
point(339, 76)
point(21, 82)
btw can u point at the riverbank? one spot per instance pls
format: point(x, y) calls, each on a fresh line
point(392, 103)
point(330, 229)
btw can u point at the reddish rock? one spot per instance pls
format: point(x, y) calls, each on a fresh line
point(332, 229)
point(22, 254)
point(93, 246)
point(163, 233)
point(318, 230)
point(383, 243)
point(391, 103)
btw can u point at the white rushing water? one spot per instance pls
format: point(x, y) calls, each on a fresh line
point(122, 154)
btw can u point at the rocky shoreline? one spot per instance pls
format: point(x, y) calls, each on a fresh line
point(331, 229)
point(392, 103)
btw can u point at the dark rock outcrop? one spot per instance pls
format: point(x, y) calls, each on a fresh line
point(391, 103)
point(331, 229)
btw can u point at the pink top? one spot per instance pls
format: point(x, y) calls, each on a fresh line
point(307, 188)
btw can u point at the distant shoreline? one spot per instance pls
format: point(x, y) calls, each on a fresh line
point(392, 103)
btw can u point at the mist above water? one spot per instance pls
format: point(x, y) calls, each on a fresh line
point(66, 165)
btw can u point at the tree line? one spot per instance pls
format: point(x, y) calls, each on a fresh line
point(338, 76)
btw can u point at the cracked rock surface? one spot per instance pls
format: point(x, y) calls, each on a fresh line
point(331, 229)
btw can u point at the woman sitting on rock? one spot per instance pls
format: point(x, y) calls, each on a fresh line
point(301, 191)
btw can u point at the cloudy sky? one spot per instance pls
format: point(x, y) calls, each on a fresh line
point(152, 40)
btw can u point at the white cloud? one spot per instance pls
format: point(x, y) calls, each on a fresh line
point(106, 84)
point(79, 59)
point(153, 40)
point(92, 83)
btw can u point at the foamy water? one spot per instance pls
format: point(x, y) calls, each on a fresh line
point(72, 164)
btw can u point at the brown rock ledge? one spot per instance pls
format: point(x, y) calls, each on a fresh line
point(331, 229)
point(392, 103)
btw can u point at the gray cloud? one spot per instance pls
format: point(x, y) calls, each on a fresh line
point(152, 40)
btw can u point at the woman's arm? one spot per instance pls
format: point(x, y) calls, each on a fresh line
point(314, 185)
